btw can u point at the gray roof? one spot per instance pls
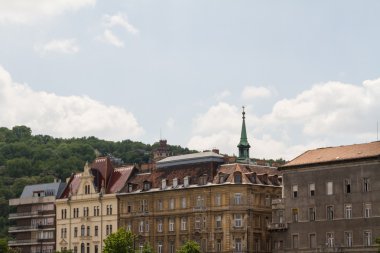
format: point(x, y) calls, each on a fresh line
point(50, 189)
point(190, 158)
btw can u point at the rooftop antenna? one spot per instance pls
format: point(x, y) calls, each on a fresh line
point(377, 130)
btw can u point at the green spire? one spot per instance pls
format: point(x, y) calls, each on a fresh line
point(243, 144)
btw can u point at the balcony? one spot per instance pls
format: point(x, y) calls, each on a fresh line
point(23, 242)
point(30, 214)
point(277, 226)
point(199, 209)
point(278, 203)
point(16, 229)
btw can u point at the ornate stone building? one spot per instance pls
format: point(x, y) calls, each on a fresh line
point(224, 207)
point(87, 212)
point(331, 201)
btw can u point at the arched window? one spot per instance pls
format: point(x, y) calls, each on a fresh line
point(82, 231)
point(82, 248)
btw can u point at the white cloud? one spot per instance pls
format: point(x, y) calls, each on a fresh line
point(327, 114)
point(222, 95)
point(65, 46)
point(111, 38)
point(70, 116)
point(121, 20)
point(27, 11)
point(251, 92)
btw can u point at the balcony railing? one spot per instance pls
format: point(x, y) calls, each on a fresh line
point(277, 226)
point(23, 242)
point(31, 214)
point(22, 228)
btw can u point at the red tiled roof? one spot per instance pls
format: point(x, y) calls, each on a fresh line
point(118, 178)
point(104, 166)
point(72, 186)
point(335, 154)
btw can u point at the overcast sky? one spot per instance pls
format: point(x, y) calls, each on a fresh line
point(308, 72)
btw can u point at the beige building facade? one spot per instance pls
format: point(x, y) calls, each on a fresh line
point(88, 210)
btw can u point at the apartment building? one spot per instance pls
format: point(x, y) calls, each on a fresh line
point(33, 224)
point(87, 211)
point(331, 201)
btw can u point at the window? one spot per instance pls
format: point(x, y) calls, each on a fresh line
point(159, 247)
point(110, 229)
point(202, 180)
point(146, 186)
point(197, 222)
point(96, 210)
point(88, 248)
point(82, 248)
point(87, 189)
point(75, 232)
point(129, 207)
point(159, 204)
point(75, 249)
point(238, 245)
point(88, 230)
point(218, 221)
point(218, 199)
point(348, 239)
point(330, 239)
point(129, 226)
point(312, 214)
point(96, 231)
point(267, 200)
point(82, 230)
point(147, 226)
point(367, 238)
point(367, 210)
point(159, 225)
point(312, 190)
point(76, 212)
point(312, 241)
point(183, 223)
point(171, 204)
point(63, 214)
point(171, 224)
point(85, 211)
point(96, 249)
point(141, 226)
point(199, 201)
point(347, 185)
point(238, 220)
point(130, 187)
point(109, 209)
point(143, 205)
point(366, 185)
point(329, 188)
point(347, 211)
point(171, 247)
point(237, 199)
point(183, 202)
point(237, 178)
point(295, 214)
point(330, 212)
point(218, 245)
point(204, 223)
point(295, 191)
point(295, 241)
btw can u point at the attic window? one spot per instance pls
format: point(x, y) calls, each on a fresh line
point(203, 179)
point(163, 184)
point(222, 178)
point(237, 178)
point(146, 186)
point(175, 182)
point(186, 181)
point(130, 187)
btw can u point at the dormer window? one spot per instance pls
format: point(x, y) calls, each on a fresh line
point(186, 181)
point(146, 186)
point(203, 179)
point(237, 178)
point(130, 187)
point(222, 178)
point(175, 182)
point(163, 184)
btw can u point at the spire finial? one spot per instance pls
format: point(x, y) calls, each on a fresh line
point(243, 144)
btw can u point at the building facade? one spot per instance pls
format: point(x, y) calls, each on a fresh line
point(33, 226)
point(331, 201)
point(87, 212)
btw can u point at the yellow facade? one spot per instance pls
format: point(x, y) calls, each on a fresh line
point(220, 217)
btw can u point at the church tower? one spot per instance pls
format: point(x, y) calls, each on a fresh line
point(243, 144)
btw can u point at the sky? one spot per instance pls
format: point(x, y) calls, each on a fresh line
point(308, 72)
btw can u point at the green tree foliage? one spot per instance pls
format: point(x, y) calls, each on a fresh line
point(121, 241)
point(377, 241)
point(147, 248)
point(190, 247)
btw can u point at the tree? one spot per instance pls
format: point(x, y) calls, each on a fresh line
point(147, 248)
point(121, 241)
point(3, 245)
point(377, 241)
point(190, 247)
